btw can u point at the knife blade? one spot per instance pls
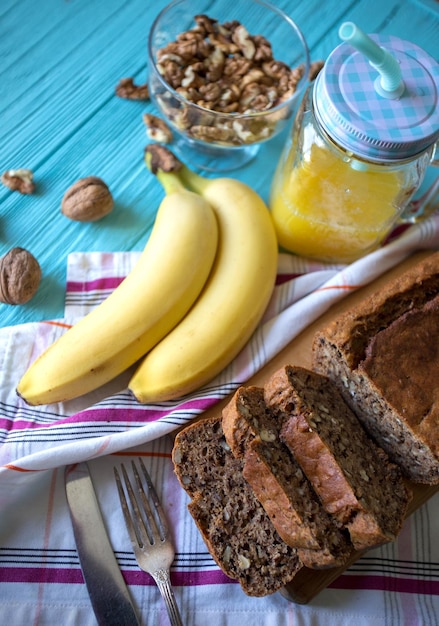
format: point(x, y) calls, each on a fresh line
point(106, 587)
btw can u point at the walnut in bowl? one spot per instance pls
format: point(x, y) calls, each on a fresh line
point(226, 76)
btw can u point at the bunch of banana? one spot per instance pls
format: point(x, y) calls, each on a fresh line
point(152, 299)
point(231, 303)
point(188, 307)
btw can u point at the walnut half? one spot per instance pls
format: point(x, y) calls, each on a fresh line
point(157, 129)
point(127, 89)
point(21, 180)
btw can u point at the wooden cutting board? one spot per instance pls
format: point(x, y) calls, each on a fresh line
point(308, 583)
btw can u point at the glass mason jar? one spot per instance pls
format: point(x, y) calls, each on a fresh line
point(338, 190)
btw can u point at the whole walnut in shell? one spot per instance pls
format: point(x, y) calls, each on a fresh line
point(87, 200)
point(20, 276)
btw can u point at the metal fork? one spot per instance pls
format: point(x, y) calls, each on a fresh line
point(148, 531)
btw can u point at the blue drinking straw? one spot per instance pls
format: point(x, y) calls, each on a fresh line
point(389, 83)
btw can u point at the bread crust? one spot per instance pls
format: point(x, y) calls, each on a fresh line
point(353, 329)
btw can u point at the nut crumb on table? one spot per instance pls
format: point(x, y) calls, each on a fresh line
point(20, 180)
point(157, 128)
point(126, 88)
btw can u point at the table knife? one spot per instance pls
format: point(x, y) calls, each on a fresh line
point(108, 592)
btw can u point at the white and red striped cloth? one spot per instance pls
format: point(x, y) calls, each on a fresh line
point(41, 582)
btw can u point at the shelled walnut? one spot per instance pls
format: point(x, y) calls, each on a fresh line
point(127, 89)
point(21, 180)
point(20, 276)
point(157, 128)
point(87, 200)
point(205, 62)
point(224, 69)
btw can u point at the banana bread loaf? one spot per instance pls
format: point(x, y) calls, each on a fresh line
point(383, 355)
point(234, 525)
point(279, 483)
point(352, 476)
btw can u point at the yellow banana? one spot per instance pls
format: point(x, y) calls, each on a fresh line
point(152, 299)
point(231, 304)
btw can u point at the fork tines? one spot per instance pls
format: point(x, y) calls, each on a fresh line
point(152, 521)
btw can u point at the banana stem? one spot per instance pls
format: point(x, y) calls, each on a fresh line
point(171, 172)
point(170, 182)
point(192, 180)
point(169, 179)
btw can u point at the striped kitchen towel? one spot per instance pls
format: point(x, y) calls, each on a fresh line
point(40, 576)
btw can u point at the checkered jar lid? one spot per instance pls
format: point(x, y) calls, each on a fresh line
point(352, 111)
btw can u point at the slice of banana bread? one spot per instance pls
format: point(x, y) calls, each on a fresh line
point(351, 474)
point(279, 483)
point(383, 355)
point(234, 525)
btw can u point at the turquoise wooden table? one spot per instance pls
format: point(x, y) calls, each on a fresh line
point(60, 64)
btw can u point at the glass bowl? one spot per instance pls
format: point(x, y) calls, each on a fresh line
point(226, 84)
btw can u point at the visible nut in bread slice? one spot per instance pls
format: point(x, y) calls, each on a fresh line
point(236, 529)
point(279, 483)
point(352, 476)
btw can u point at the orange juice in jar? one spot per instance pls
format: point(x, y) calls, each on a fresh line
point(329, 206)
point(347, 174)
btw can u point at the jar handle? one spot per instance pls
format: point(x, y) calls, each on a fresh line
point(428, 203)
point(424, 206)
